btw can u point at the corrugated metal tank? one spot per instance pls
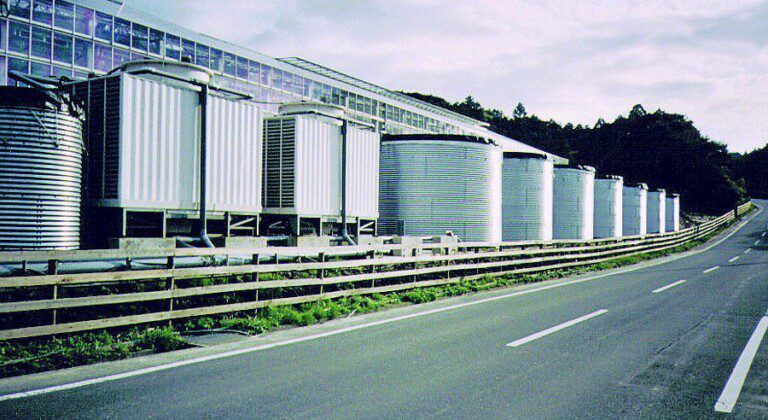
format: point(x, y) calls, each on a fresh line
point(634, 209)
point(574, 202)
point(431, 184)
point(41, 153)
point(527, 197)
point(673, 213)
point(144, 141)
point(609, 199)
point(657, 217)
point(302, 164)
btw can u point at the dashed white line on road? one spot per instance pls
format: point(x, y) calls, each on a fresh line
point(730, 394)
point(669, 286)
point(709, 270)
point(757, 242)
point(555, 329)
point(763, 235)
point(748, 250)
point(734, 259)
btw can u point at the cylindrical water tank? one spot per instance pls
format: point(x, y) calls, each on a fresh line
point(41, 152)
point(673, 213)
point(574, 202)
point(609, 198)
point(634, 209)
point(433, 183)
point(527, 181)
point(657, 217)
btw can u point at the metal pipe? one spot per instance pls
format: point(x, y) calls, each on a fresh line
point(344, 232)
point(203, 232)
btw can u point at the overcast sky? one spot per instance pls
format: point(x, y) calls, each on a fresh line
point(572, 61)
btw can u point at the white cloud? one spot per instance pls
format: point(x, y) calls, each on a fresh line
point(570, 61)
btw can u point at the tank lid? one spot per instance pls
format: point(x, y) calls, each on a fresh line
point(578, 167)
point(614, 177)
point(25, 97)
point(525, 155)
point(186, 71)
point(298, 108)
point(438, 137)
point(641, 185)
point(660, 190)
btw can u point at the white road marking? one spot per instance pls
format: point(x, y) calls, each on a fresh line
point(709, 270)
point(734, 259)
point(732, 389)
point(555, 329)
point(763, 235)
point(158, 368)
point(748, 250)
point(757, 242)
point(669, 286)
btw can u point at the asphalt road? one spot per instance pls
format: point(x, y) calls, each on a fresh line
point(605, 347)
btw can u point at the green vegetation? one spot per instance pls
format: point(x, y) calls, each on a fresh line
point(36, 355)
point(662, 149)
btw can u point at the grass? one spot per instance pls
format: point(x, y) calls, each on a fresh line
point(36, 355)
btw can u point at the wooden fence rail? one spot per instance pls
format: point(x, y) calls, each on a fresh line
point(371, 269)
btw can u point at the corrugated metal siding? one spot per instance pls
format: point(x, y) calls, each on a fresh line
point(634, 210)
point(363, 148)
point(430, 187)
point(657, 211)
point(318, 167)
point(279, 162)
point(608, 208)
point(234, 151)
point(673, 214)
point(574, 204)
point(159, 145)
point(527, 198)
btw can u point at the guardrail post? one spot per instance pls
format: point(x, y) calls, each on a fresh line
point(53, 269)
point(321, 274)
point(256, 260)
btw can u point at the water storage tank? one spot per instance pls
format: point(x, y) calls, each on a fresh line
point(635, 210)
point(526, 196)
point(303, 166)
point(657, 217)
point(574, 202)
point(609, 199)
point(41, 152)
point(673, 213)
point(431, 184)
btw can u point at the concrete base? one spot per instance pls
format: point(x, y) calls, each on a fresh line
point(369, 240)
point(415, 248)
point(138, 244)
point(245, 242)
point(310, 241)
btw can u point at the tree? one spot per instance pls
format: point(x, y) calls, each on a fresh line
point(637, 111)
point(519, 111)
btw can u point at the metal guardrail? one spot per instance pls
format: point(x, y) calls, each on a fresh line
point(374, 270)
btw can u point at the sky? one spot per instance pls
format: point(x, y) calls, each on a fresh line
point(571, 61)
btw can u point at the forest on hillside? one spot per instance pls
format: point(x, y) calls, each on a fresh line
point(662, 149)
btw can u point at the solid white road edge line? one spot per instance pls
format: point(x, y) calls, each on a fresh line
point(734, 259)
point(730, 394)
point(669, 286)
point(709, 270)
point(556, 328)
point(158, 368)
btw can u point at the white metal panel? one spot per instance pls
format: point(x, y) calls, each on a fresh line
point(609, 207)
point(429, 187)
point(657, 217)
point(634, 210)
point(234, 149)
point(363, 148)
point(673, 213)
point(318, 166)
point(574, 203)
point(527, 198)
point(158, 145)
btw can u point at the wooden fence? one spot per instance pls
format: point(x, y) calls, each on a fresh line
point(135, 297)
